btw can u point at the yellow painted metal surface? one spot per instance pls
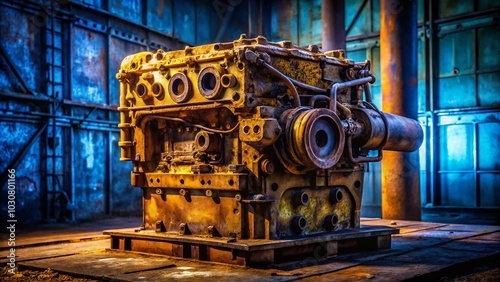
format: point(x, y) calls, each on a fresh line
point(252, 139)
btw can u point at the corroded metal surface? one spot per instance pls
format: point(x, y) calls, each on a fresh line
point(252, 139)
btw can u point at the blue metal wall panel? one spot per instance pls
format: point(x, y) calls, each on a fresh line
point(456, 147)
point(184, 21)
point(310, 22)
point(127, 9)
point(363, 24)
point(490, 189)
point(489, 150)
point(449, 8)
point(20, 38)
point(487, 4)
point(101, 4)
point(27, 175)
point(89, 74)
point(125, 199)
point(487, 89)
point(160, 15)
point(457, 189)
point(457, 91)
point(284, 22)
point(90, 176)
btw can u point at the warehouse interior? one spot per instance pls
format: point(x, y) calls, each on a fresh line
point(59, 95)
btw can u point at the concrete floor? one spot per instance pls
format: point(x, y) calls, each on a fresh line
point(422, 251)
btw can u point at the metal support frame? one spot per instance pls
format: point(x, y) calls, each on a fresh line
point(356, 17)
point(400, 171)
point(15, 70)
point(333, 25)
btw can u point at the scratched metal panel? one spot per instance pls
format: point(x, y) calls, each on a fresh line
point(90, 173)
point(490, 189)
point(20, 38)
point(125, 199)
point(449, 8)
point(28, 178)
point(89, 74)
point(160, 15)
point(458, 189)
point(127, 9)
point(310, 22)
point(119, 49)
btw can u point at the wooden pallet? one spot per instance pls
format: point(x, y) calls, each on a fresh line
point(252, 252)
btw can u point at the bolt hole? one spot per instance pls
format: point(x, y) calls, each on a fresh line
point(151, 180)
point(141, 90)
point(241, 66)
point(231, 182)
point(182, 181)
point(209, 182)
point(157, 89)
point(256, 129)
point(202, 182)
point(159, 56)
point(157, 180)
point(246, 129)
point(274, 186)
point(357, 184)
point(236, 211)
point(236, 96)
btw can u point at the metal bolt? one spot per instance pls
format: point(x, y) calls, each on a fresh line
point(183, 192)
point(237, 197)
point(209, 193)
point(159, 191)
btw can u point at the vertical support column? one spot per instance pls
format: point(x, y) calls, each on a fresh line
point(333, 25)
point(398, 52)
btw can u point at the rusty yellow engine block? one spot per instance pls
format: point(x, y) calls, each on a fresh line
point(252, 139)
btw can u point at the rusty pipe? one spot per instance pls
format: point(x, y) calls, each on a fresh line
point(404, 134)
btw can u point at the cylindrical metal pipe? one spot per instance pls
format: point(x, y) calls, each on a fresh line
point(333, 24)
point(405, 134)
point(398, 49)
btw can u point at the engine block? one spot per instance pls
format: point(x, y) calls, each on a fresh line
point(252, 139)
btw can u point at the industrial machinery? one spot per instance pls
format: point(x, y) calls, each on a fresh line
point(244, 150)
